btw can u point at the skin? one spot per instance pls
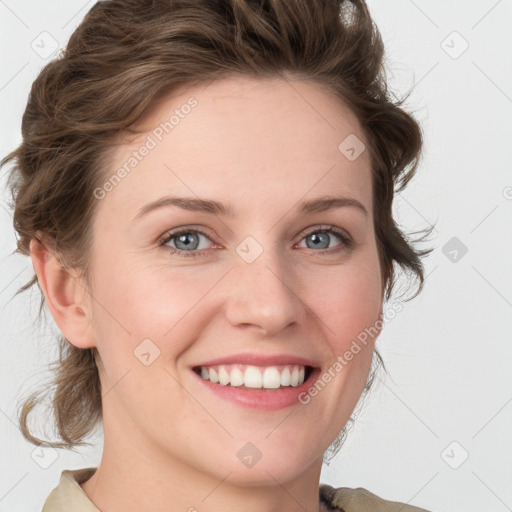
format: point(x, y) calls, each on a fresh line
point(262, 146)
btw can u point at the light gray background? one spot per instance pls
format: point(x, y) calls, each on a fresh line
point(448, 351)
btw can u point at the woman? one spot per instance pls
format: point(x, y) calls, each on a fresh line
point(205, 191)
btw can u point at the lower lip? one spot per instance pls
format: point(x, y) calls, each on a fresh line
point(265, 399)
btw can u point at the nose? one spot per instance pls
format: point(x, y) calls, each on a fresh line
point(263, 295)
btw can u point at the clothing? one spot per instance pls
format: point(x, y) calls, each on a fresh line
point(68, 496)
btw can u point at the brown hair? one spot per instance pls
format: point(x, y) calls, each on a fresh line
point(120, 60)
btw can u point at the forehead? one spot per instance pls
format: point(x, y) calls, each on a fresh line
point(248, 137)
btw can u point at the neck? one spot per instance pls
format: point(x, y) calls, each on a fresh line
point(133, 476)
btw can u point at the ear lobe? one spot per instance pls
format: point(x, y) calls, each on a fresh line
point(64, 293)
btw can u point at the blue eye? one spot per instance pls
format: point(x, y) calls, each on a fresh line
point(320, 239)
point(186, 242)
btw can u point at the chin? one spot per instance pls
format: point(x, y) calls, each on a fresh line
point(266, 474)
point(254, 465)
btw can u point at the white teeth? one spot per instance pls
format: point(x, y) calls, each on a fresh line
point(271, 377)
point(223, 376)
point(294, 379)
point(253, 378)
point(236, 377)
point(285, 377)
point(297, 377)
point(213, 375)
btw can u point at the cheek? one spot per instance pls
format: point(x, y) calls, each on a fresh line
point(133, 303)
point(350, 301)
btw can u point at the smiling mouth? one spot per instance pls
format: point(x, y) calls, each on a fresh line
point(255, 377)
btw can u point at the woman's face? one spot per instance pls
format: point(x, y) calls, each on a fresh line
point(262, 277)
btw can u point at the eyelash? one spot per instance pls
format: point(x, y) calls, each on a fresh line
point(346, 242)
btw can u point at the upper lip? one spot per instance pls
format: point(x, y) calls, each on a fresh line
point(259, 360)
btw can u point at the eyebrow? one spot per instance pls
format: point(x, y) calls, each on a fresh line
point(320, 204)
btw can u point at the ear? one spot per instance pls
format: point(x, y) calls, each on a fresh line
point(65, 294)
